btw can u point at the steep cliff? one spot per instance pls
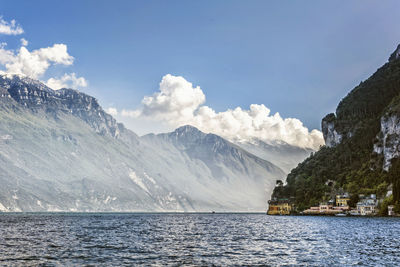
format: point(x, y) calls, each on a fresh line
point(362, 143)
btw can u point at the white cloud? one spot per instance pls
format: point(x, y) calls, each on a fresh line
point(34, 63)
point(178, 103)
point(24, 42)
point(67, 81)
point(112, 111)
point(256, 122)
point(5, 55)
point(10, 28)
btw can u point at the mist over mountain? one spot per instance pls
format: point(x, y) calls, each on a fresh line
point(60, 151)
point(281, 154)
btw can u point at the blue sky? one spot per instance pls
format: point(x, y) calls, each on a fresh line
point(298, 58)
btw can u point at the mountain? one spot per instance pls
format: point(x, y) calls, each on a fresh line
point(362, 145)
point(59, 151)
point(222, 170)
point(281, 154)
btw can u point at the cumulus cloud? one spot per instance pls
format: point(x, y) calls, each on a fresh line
point(257, 122)
point(10, 28)
point(67, 81)
point(177, 100)
point(178, 103)
point(34, 63)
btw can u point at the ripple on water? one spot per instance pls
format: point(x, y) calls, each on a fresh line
point(197, 239)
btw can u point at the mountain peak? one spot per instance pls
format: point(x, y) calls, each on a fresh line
point(20, 81)
point(396, 54)
point(188, 133)
point(187, 129)
point(35, 95)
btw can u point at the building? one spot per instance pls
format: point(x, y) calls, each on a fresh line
point(391, 210)
point(312, 211)
point(280, 207)
point(367, 206)
point(342, 200)
point(323, 209)
point(366, 209)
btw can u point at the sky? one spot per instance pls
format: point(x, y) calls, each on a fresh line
point(241, 69)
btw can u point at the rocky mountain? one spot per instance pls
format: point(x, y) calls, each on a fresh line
point(362, 144)
point(221, 168)
point(35, 96)
point(281, 154)
point(59, 151)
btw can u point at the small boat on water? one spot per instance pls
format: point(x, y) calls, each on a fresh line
point(341, 214)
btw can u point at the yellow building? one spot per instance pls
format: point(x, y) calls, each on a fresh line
point(342, 200)
point(279, 207)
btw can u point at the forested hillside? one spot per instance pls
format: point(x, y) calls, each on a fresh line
point(361, 151)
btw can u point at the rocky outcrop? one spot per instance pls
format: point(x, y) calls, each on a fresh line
point(388, 140)
point(34, 95)
point(396, 54)
point(4, 94)
point(331, 135)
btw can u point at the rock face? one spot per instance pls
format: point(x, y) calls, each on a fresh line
point(331, 136)
point(59, 151)
point(388, 140)
point(36, 96)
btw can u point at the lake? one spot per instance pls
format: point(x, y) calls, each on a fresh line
point(196, 239)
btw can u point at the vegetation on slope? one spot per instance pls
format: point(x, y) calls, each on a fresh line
point(352, 165)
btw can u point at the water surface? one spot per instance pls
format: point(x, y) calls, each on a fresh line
point(197, 239)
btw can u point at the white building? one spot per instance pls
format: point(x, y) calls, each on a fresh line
point(367, 206)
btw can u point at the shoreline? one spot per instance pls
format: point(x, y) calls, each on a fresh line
point(332, 215)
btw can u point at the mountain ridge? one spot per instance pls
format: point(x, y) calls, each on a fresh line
point(60, 151)
point(35, 95)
